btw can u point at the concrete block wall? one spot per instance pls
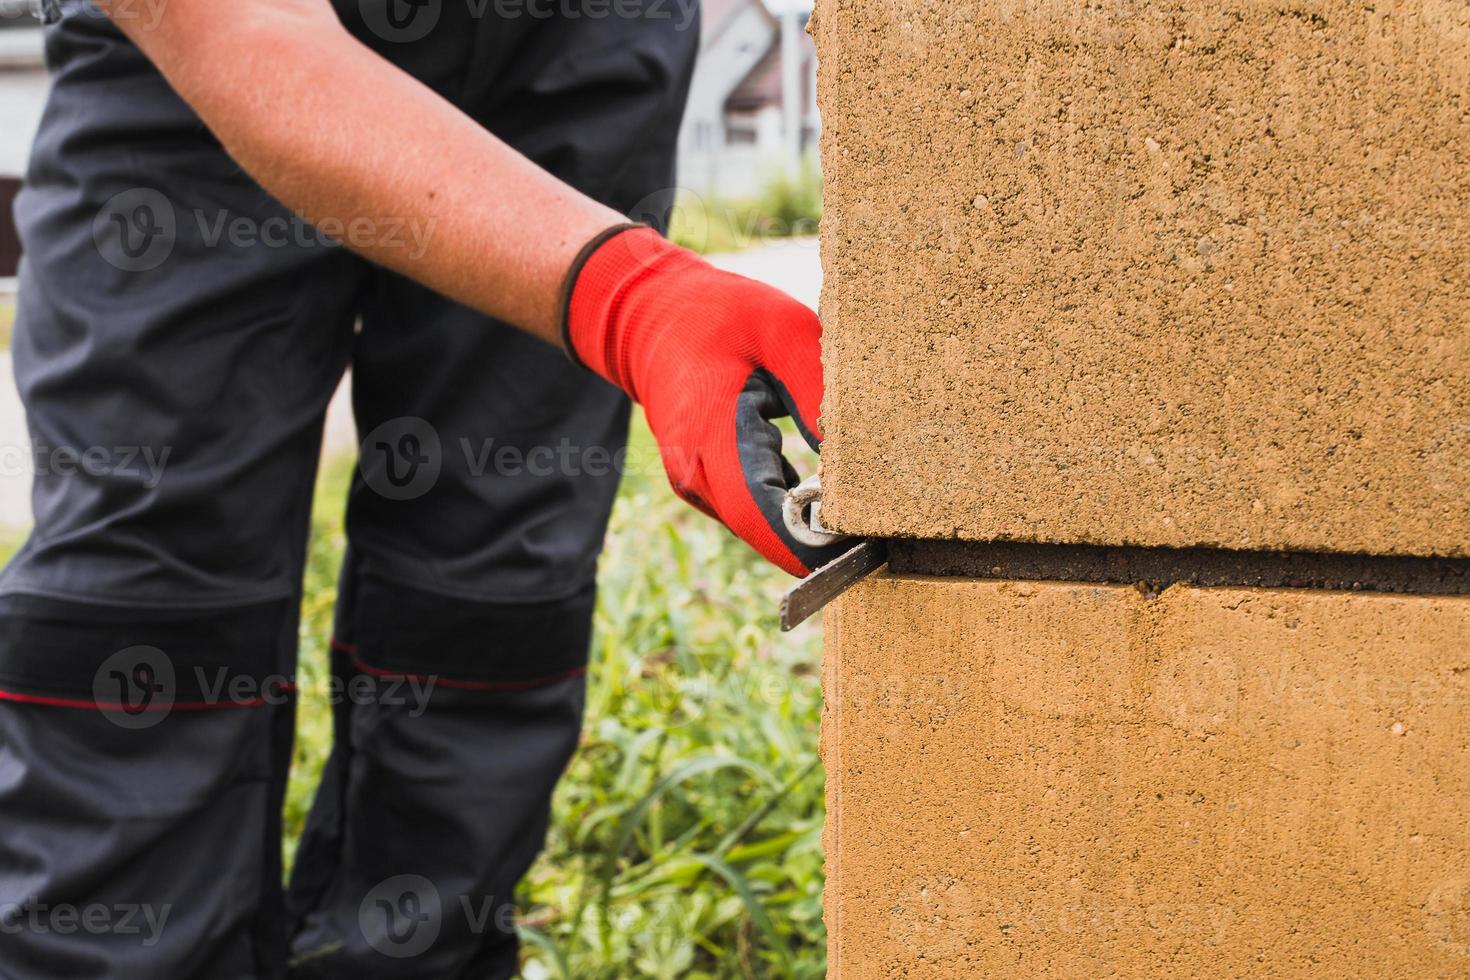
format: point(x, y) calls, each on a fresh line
point(1186, 275)
point(1043, 779)
point(1130, 272)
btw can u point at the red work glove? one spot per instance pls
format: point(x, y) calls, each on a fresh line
point(712, 357)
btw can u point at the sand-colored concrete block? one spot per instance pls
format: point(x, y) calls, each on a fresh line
point(1127, 272)
point(1060, 780)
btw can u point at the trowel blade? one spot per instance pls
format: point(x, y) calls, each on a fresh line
point(831, 580)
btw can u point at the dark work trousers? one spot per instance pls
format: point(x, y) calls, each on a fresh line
point(179, 336)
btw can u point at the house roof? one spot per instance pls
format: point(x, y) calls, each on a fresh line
point(762, 84)
point(716, 15)
point(714, 12)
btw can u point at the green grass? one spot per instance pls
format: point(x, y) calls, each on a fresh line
point(314, 711)
point(787, 207)
point(686, 837)
point(7, 321)
point(11, 538)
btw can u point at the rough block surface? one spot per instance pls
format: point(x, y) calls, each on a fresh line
point(1064, 780)
point(1125, 272)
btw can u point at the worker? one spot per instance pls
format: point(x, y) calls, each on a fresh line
point(228, 205)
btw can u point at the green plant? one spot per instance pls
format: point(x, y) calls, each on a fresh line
point(7, 320)
point(795, 201)
point(786, 206)
point(319, 597)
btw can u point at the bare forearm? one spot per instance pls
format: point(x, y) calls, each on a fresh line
point(337, 133)
point(350, 141)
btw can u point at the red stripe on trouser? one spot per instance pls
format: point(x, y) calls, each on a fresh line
point(51, 702)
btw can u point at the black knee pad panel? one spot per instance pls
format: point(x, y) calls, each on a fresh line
point(488, 646)
point(72, 654)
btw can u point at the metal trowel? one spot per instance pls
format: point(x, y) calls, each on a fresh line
point(802, 514)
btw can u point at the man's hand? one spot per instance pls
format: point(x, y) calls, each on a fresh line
point(712, 357)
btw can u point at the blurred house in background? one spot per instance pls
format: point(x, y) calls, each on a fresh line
point(23, 84)
point(755, 60)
